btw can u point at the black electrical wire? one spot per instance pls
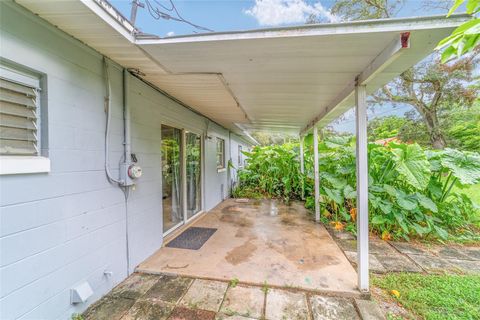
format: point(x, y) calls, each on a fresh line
point(157, 13)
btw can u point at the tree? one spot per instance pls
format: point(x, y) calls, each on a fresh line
point(430, 87)
point(366, 9)
point(433, 88)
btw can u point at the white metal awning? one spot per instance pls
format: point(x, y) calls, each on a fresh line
point(282, 79)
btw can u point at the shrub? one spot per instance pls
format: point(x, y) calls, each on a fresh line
point(411, 190)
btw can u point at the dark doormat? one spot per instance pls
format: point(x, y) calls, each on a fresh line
point(193, 238)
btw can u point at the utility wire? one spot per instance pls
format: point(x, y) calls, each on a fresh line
point(155, 9)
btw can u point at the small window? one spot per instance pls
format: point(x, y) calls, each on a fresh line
point(220, 154)
point(20, 150)
point(19, 130)
point(240, 163)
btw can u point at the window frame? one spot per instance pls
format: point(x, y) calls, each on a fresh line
point(23, 164)
point(221, 153)
point(240, 156)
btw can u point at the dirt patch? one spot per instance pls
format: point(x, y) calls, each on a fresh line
point(109, 307)
point(389, 306)
point(288, 220)
point(241, 253)
point(237, 220)
point(304, 257)
point(180, 313)
point(169, 288)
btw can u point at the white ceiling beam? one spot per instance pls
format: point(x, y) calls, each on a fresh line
point(377, 65)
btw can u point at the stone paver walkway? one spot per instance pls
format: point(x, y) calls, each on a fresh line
point(391, 256)
point(157, 297)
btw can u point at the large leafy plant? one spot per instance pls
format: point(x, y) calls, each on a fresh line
point(412, 191)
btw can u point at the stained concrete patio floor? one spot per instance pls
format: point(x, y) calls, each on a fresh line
point(260, 242)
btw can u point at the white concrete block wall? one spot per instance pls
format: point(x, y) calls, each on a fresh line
point(68, 226)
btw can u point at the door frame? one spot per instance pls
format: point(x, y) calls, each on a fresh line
point(183, 171)
point(202, 175)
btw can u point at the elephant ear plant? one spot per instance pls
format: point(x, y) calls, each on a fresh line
point(412, 191)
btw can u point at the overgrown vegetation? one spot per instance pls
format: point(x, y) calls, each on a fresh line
point(459, 124)
point(434, 297)
point(412, 191)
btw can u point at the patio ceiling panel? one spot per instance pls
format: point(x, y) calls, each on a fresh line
point(277, 79)
point(284, 77)
point(98, 25)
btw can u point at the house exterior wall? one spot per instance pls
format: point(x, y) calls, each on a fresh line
point(62, 228)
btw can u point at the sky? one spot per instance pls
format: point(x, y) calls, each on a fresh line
point(231, 15)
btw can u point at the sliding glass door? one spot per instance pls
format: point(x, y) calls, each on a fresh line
point(181, 176)
point(193, 146)
point(172, 177)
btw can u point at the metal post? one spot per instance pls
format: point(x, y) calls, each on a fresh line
point(302, 166)
point(133, 12)
point(362, 187)
point(317, 178)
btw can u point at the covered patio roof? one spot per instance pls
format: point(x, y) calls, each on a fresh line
point(285, 79)
point(280, 79)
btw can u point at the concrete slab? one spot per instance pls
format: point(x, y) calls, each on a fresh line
point(149, 309)
point(181, 313)
point(262, 241)
point(410, 248)
point(447, 252)
point(472, 252)
point(373, 262)
point(380, 247)
point(347, 245)
point(332, 308)
point(398, 263)
point(466, 266)
point(283, 304)
point(136, 285)
point(341, 234)
point(169, 288)
point(243, 301)
point(110, 307)
point(205, 295)
point(369, 310)
point(431, 263)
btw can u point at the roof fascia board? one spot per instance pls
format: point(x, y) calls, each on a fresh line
point(112, 17)
point(356, 27)
point(389, 54)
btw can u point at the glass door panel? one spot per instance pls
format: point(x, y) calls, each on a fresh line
point(172, 177)
point(193, 146)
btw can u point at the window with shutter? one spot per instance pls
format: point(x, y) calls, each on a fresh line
point(18, 119)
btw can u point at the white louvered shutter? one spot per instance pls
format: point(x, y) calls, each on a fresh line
point(18, 119)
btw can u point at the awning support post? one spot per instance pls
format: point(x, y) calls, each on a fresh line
point(362, 186)
point(302, 166)
point(316, 174)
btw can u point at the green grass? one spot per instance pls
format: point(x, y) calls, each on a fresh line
point(473, 192)
point(435, 297)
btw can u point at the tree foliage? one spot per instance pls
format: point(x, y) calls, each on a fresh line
point(366, 9)
point(466, 37)
point(433, 88)
point(385, 127)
